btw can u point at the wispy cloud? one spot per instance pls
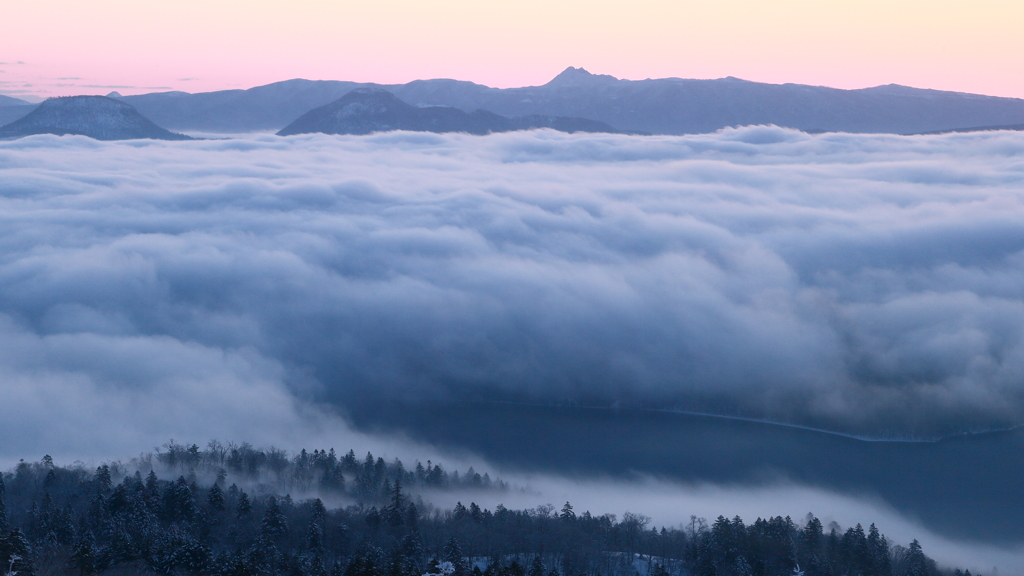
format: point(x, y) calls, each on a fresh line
point(117, 86)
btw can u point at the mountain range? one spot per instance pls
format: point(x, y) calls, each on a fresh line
point(367, 110)
point(656, 106)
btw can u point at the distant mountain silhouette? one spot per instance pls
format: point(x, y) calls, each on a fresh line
point(1010, 127)
point(367, 110)
point(578, 77)
point(98, 117)
point(660, 106)
point(9, 114)
point(9, 101)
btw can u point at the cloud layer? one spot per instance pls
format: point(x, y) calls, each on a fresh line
point(870, 284)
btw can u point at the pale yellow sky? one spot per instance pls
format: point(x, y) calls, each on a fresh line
point(76, 46)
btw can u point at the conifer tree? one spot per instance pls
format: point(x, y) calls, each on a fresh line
point(274, 523)
point(373, 519)
point(349, 462)
point(152, 490)
point(879, 561)
point(84, 555)
point(917, 562)
point(97, 513)
point(412, 551)
point(3, 507)
point(244, 507)
point(263, 554)
point(567, 514)
point(319, 512)
point(178, 502)
point(315, 532)
point(103, 480)
point(395, 512)
point(215, 499)
point(536, 567)
point(412, 516)
point(453, 554)
point(15, 553)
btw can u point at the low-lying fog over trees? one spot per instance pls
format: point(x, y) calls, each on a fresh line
point(127, 519)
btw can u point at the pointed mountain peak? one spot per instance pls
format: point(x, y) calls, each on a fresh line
point(115, 94)
point(572, 76)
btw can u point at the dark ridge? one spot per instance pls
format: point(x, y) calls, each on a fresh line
point(368, 110)
point(97, 117)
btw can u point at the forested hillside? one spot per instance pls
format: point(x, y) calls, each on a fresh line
point(182, 511)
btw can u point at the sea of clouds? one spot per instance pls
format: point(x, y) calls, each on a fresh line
point(864, 283)
point(261, 289)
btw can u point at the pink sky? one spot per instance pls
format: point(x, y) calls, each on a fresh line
point(92, 47)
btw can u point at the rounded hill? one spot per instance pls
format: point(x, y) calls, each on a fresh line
point(97, 117)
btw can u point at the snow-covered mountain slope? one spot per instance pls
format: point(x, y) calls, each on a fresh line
point(98, 117)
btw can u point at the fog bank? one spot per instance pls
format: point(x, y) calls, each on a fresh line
point(860, 283)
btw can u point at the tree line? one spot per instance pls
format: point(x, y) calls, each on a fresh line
point(323, 471)
point(112, 521)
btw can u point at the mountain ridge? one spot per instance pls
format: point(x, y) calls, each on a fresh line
point(368, 110)
point(656, 106)
point(12, 101)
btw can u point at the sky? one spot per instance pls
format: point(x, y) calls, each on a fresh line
point(73, 47)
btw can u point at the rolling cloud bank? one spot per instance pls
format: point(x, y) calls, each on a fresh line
point(271, 289)
point(866, 284)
